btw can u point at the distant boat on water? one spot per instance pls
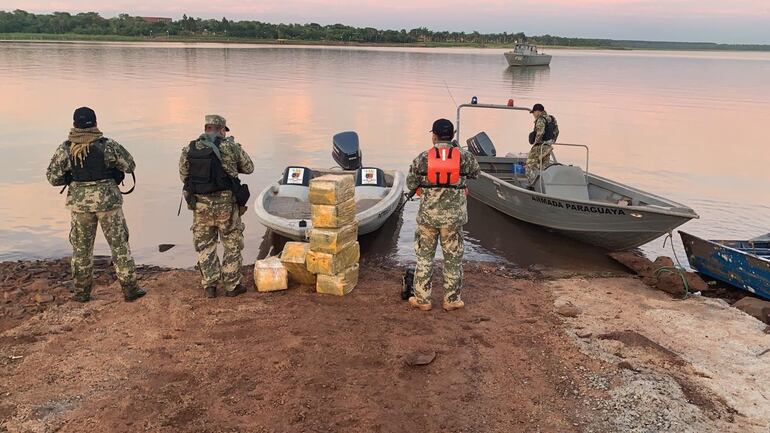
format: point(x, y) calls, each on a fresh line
point(524, 54)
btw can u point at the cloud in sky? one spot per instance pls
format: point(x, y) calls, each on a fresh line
point(739, 21)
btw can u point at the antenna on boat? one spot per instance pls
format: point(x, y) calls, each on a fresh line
point(450, 93)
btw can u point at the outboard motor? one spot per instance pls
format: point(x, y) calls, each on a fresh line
point(347, 152)
point(481, 145)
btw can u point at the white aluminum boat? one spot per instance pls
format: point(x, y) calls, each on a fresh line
point(568, 199)
point(284, 206)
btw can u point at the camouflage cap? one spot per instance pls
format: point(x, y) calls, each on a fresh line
point(217, 120)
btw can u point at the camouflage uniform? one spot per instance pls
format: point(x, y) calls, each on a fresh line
point(217, 215)
point(91, 204)
point(540, 154)
point(442, 213)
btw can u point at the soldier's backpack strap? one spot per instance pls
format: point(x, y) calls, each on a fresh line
point(101, 140)
point(68, 179)
point(133, 187)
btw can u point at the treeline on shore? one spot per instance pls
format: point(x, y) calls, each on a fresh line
point(90, 25)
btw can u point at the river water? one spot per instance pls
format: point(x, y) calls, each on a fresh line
point(690, 126)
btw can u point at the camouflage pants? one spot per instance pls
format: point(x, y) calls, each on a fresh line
point(425, 241)
point(82, 236)
point(212, 222)
point(539, 156)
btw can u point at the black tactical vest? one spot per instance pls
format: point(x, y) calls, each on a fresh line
point(94, 166)
point(206, 174)
point(548, 134)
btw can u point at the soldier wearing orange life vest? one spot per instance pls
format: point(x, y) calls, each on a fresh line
point(439, 175)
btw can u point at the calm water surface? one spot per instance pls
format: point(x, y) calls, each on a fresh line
point(689, 126)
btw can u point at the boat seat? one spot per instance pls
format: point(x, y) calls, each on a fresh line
point(370, 184)
point(564, 181)
point(299, 192)
point(295, 182)
point(369, 193)
point(369, 177)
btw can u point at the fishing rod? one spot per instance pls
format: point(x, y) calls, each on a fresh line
point(450, 93)
point(408, 196)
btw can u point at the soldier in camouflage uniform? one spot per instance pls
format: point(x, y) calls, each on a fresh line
point(443, 211)
point(545, 133)
point(216, 215)
point(92, 165)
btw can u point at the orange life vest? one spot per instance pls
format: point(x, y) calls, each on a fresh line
point(443, 168)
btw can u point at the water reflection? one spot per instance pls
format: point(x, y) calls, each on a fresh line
point(379, 246)
point(668, 123)
point(524, 245)
point(527, 79)
point(272, 244)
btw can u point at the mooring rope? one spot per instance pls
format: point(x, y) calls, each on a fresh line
point(675, 269)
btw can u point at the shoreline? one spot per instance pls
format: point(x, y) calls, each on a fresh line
point(64, 38)
point(572, 353)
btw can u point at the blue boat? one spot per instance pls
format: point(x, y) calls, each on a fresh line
point(743, 264)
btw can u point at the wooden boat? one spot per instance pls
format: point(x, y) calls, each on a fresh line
point(284, 206)
point(744, 264)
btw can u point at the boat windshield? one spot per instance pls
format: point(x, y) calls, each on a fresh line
point(525, 49)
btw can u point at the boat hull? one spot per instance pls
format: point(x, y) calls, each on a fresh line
point(730, 265)
point(369, 220)
point(515, 59)
point(608, 226)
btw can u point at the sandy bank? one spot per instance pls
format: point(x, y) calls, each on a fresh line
point(298, 361)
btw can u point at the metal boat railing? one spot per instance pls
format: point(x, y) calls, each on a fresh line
point(510, 106)
point(572, 145)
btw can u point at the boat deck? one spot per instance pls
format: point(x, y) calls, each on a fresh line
point(600, 191)
point(293, 208)
point(757, 248)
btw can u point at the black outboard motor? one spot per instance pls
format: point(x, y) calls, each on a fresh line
point(347, 152)
point(481, 145)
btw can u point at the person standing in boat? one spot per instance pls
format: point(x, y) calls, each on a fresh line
point(439, 175)
point(541, 138)
point(92, 166)
point(209, 168)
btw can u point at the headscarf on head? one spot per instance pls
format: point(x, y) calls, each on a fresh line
point(80, 142)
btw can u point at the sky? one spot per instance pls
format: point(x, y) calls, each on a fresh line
point(725, 21)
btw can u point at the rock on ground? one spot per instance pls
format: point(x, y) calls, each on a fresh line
point(755, 307)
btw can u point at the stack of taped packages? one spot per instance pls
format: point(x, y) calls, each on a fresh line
point(334, 250)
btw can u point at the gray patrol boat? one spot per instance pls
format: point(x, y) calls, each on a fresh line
point(524, 54)
point(568, 199)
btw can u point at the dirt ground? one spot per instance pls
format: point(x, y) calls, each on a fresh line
point(296, 361)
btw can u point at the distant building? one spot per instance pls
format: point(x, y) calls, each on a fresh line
point(157, 19)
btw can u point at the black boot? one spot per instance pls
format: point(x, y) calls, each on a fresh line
point(81, 297)
point(211, 291)
point(239, 289)
point(134, 295)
